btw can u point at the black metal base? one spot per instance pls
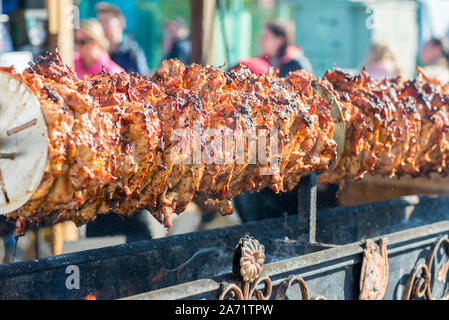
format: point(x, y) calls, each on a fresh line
point(331, 270)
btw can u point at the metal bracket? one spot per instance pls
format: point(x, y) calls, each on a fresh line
point(374, 274)
point(247, 265)
point(307, 197)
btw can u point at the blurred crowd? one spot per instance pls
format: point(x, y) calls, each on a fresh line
point(103, 42)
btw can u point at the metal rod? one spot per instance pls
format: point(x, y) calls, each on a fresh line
point(3, 187)
point(21, 127)
point(10, 156)
point(36, 244)
point(307, 205)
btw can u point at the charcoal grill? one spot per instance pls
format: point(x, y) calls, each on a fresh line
point(325, 254)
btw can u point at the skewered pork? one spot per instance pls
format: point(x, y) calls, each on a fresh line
point(114, 141)
point(120, 143)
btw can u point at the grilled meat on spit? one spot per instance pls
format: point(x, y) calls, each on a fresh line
point(115, 141)
point(394, 127)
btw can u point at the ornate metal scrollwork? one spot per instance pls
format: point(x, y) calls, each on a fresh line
point(247, 265)
point(287, 283)
point(249, 258)
point(419, 286)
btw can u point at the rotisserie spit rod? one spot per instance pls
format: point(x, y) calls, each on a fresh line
point(125, 142)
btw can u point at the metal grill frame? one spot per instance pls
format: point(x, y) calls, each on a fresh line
point(325, 248)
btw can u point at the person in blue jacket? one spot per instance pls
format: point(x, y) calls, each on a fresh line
point(176, 42)
point(124, 50)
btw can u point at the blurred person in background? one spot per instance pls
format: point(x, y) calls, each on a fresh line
point(37, 36)
point(435, 58)
point(256, 65)
point(123, 49)
point(381, 62)
point(276, 43)
point(278, 51)
point(176, 42)
point(5, 39)
point(91, 50)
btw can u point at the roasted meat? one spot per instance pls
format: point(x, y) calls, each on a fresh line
point(120, 143)
point(393, 127)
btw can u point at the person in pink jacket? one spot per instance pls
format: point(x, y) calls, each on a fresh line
point(91, 54)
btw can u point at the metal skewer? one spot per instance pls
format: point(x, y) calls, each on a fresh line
point(10, 156)
point(21, 127)
point(3, 187)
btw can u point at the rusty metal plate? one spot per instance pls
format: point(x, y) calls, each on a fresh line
point(339, 134)
point(374, 273)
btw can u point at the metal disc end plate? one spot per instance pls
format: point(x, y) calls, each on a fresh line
point(23, 143)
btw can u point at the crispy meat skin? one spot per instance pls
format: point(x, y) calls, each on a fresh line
point(114, 141)
point(393, 127)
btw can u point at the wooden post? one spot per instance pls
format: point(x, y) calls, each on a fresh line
point(57, 239)
point(202, 13)
point(62, 16)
